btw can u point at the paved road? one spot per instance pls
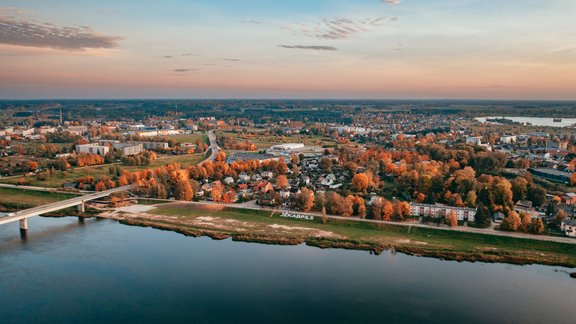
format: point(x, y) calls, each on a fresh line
point(488, 231)
point(213, 146)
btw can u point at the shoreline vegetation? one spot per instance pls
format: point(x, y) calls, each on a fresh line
point(266, 227)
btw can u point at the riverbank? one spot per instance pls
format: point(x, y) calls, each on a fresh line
point(260, 226)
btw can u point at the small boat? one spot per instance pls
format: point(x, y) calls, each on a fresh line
point(557, 120)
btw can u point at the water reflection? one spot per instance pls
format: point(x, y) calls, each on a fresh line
point(106, 272)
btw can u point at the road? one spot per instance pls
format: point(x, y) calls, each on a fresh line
point(35, 211)
point(213, 147)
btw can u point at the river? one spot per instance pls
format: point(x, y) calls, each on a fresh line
point(535, 121)
point(105, 272)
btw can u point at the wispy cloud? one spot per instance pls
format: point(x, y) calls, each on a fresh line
point(183, 70)
point(16, 30)
point(332, 28)
point(391, 2)
point(310, 47)
point(228, 59)
point(179, 55)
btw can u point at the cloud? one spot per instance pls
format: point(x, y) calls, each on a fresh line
point(183, 70)
point(310, 47)
point(391, 2)
point(180, 55)
point(14, 30)
point(228, 59)
point(333, 28)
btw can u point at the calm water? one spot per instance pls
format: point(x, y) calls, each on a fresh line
point(536, 121)
point(106, 272)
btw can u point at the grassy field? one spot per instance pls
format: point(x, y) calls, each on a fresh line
point(266, 141)
point(18, 199)
point(421, 241)
point(190, 138)
point(99, 171)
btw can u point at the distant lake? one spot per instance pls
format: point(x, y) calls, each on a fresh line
point(536, 121)
point(105, 272)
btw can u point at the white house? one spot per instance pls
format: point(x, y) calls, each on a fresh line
point(568, 226)
point(474, 140)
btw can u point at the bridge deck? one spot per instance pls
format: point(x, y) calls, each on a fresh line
point(39, 210)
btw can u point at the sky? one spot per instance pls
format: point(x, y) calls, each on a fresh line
point(300, 49)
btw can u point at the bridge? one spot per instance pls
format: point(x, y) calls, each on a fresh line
point(23, 215)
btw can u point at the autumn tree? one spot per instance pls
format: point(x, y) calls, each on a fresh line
point(229, 197)
point(452, 218)
point(183, 190)
point(324, 217)
point(511, 222)
point(536, 226)
point(217, 191)
point(401, 210)
point(525, 221)
point(360, 182)
point(304, 200)
point(326, 164)
point(282, 182)
point(360, 207)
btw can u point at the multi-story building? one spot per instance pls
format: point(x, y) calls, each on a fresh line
point(151, 145)
point(76, 130)
point(128, 149)
point(441, 211)
point(93, 148)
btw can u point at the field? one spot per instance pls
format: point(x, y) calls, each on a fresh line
point(99, 171)
point(266, 141)
point(18, 199)
point(264, 226)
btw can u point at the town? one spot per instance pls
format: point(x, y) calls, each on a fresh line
point(390, 162)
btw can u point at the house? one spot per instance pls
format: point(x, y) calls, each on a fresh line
point(474, 140)
point(244, 177)
point(568, 226)
point(228, 180)
point(285, 194)
point(498, 217)
point(267, 174)
point(328, 180)
point(568, 198)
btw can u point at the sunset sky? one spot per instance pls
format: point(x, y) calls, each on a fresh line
point(376, 49)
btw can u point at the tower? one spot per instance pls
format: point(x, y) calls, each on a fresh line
point(60, 116)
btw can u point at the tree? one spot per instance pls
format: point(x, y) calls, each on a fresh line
point(326, 164)
point(217, 191)
point(304, 200)
point(519, 188)
point(183, 190)
point(536, 226)
point(536, 194)
point(229, 197)
point(360, 207)
point(482, 218)
point(100, 186)
point(550, 209)
point(525, 221)
point(401, 210)
point(324, 217)
point(31, 166)
point(360, 182)
point(388, 211)
point(452, 218)
point(560, 216)
point(282, 182)
point(511, 222)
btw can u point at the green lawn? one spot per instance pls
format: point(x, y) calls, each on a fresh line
point(18, 199)
point(391, 235)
